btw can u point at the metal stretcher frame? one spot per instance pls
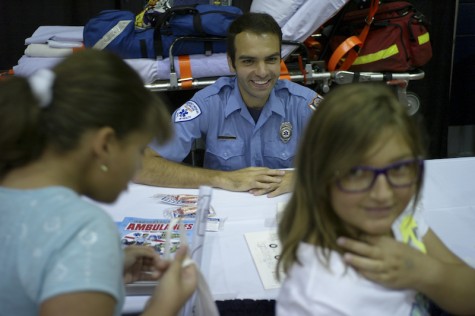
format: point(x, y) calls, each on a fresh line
point(326, 79)
point(338, 77)
point(313, 74)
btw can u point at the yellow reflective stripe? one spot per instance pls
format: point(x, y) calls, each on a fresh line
point(382, 54)
point(424, 38)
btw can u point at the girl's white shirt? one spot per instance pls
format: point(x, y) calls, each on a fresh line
point(310, 288)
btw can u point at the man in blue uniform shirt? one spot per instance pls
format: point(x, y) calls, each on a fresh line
point(250, 123)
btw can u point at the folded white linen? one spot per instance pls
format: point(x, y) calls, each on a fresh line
point(43, 50)
point(57, 33)
point(29, 65)
point(149, 69)
point(215, 65)
point(58, 44)
point(146, 68)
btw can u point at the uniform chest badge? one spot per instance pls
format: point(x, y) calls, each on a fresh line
point(285, 131)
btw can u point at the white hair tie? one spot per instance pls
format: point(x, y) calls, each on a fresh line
point(41, 83)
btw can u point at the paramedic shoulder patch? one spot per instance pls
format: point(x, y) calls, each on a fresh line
point(187, 112)
point(316, 102)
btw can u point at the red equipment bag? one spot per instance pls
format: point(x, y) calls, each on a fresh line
point(391, 36)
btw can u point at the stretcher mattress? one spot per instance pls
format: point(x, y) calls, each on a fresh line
point(150, 70)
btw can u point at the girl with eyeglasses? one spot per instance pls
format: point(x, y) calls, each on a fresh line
point(359, 173)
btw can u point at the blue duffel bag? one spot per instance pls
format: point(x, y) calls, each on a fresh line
point(191, 29)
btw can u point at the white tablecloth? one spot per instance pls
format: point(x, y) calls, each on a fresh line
point(448, 197)
point(227, 263)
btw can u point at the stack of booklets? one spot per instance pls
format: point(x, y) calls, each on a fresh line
point(166, 235)
point(153, 232)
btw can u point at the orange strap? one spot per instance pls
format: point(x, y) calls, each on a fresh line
point(284, 72)
point(78, 49)
point(186, 78)
point(348, 47)
point(7, 73)
point(352, 45)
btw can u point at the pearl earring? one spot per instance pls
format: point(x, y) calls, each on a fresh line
point(104, 168)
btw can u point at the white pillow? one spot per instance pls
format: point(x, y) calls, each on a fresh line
point(280, 10)
point(307, 19)
point(298, 18)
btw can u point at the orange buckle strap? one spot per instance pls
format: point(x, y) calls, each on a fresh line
point(351, 46)
point(284, 72)
point(186, 77)
point(347, 48)
point(80, 48)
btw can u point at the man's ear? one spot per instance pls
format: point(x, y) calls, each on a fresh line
point(104, 141)
point(230, 64)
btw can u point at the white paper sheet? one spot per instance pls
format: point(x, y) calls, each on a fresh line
point(265, 250)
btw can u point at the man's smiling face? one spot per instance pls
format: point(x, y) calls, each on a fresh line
point(257, 66)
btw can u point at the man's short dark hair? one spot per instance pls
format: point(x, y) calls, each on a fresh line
point(258, 23)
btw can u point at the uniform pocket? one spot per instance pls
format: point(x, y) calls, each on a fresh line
point(279, 155)
point(225, 155)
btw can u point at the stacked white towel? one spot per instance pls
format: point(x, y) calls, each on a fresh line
point(44, 50)
point(56, 33)
point(54, 41)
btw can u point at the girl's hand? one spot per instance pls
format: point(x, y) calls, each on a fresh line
point(142, 263)
point(176, 285)
point(384, 260)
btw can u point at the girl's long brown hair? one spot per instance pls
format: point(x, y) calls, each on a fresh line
point(344, 127)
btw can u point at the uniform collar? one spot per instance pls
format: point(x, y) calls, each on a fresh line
point(235, 101)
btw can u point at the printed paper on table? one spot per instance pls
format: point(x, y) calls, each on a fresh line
point(265, 250)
